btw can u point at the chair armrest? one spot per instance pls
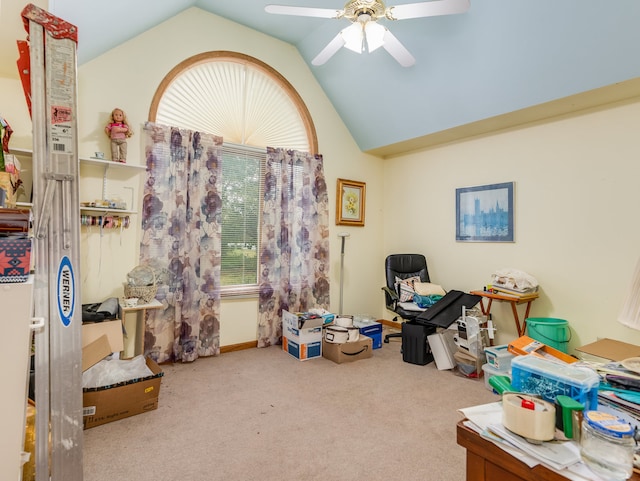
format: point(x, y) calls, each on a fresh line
point(391, 293)
point(391, 298)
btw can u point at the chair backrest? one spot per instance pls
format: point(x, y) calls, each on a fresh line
point(404, 266)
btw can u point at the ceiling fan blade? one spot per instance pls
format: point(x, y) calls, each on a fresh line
point(428, 9)
point(397, 50)
point(304, 11)
point(336, 44)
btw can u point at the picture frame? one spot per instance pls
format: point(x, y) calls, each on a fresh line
point(350, 202)
point(485, 213)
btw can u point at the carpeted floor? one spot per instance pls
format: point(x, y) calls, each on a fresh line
point(260, 414)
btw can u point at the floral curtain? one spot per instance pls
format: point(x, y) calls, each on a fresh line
point(294, 256)
point(181, 239)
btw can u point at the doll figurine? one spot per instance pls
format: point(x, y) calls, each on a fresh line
point(118, 131)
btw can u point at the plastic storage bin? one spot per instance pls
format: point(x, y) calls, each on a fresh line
point(489, 372)
point(537, 375)
point(370, 329)
point(499, 357)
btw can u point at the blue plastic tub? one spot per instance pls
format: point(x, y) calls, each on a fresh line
point(536, 375)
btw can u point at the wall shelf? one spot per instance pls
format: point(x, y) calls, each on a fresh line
point(107, 211)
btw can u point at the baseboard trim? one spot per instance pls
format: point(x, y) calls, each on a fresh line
point(238, 347)
point(386, 322)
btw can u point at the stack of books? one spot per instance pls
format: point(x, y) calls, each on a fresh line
point(514, 292)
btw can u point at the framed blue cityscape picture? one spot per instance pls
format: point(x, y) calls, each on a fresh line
point(485, 213)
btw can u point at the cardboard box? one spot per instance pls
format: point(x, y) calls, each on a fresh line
point(106, 404)
point(302, 335)
point(302, 351)
point(110, 403)
point(525, 345)
point(611, 349)
point(348, 351)
point(91, 331)
point(301, 320)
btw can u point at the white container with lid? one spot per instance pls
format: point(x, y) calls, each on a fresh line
point(607, 445)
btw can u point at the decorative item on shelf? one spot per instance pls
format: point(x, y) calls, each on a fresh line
point(141, 283)
point(9, 169)
point(118, 130)
point(116, 203)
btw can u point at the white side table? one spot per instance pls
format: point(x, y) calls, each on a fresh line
point(135, 323)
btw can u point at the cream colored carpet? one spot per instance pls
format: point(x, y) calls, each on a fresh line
point(260, 414)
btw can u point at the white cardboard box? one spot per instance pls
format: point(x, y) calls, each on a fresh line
point(304, 342)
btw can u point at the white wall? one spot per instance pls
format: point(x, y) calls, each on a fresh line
point(128, 77)
point(576, 210)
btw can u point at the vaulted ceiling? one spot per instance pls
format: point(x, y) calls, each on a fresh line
point(503, 62)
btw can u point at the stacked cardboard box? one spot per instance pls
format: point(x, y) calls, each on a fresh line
point(117, 401)
point(348, 351)
point(302, 335)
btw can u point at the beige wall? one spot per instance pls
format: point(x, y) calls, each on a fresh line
point(128, 77)
point(576, 210)
point(575, 190)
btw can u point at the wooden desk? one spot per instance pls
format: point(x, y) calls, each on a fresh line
point(514, 303)
point(134, 344)
point(487, 462)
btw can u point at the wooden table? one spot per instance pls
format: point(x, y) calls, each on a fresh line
point(514, 301)
point(487, 462)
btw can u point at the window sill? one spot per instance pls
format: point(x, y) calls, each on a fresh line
point(244, 292)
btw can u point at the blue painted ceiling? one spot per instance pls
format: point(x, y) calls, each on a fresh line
point(499, 57)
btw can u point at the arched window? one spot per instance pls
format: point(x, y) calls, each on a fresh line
point(251, 106)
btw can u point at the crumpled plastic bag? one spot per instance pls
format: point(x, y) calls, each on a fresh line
point(514, 279)
point(113, 371)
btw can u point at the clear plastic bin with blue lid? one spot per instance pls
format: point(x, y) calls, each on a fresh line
point(536, 375)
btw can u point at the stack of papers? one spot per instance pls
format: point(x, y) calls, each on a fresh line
point(562, 457)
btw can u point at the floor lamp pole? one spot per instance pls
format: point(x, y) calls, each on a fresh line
point(343, 235)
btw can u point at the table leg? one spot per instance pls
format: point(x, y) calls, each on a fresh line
point(484, 311)
point(517, 319)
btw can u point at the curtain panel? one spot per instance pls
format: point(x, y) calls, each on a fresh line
point(181, 234)
point(294, 254)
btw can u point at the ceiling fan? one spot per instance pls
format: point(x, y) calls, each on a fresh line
point(365, 29)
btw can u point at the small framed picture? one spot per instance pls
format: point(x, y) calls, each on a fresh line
point(350, 203)
point(485, 213)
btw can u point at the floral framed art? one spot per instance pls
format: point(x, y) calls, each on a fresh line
point(485, 213)
point(350, 203)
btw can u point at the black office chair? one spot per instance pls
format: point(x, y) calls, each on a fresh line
point(402, 266)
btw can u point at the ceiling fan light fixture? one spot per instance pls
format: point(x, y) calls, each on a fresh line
point(364, 16)
point(375, 35)
point(353, 37)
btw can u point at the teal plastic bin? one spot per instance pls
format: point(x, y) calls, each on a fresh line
point(550, 331)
